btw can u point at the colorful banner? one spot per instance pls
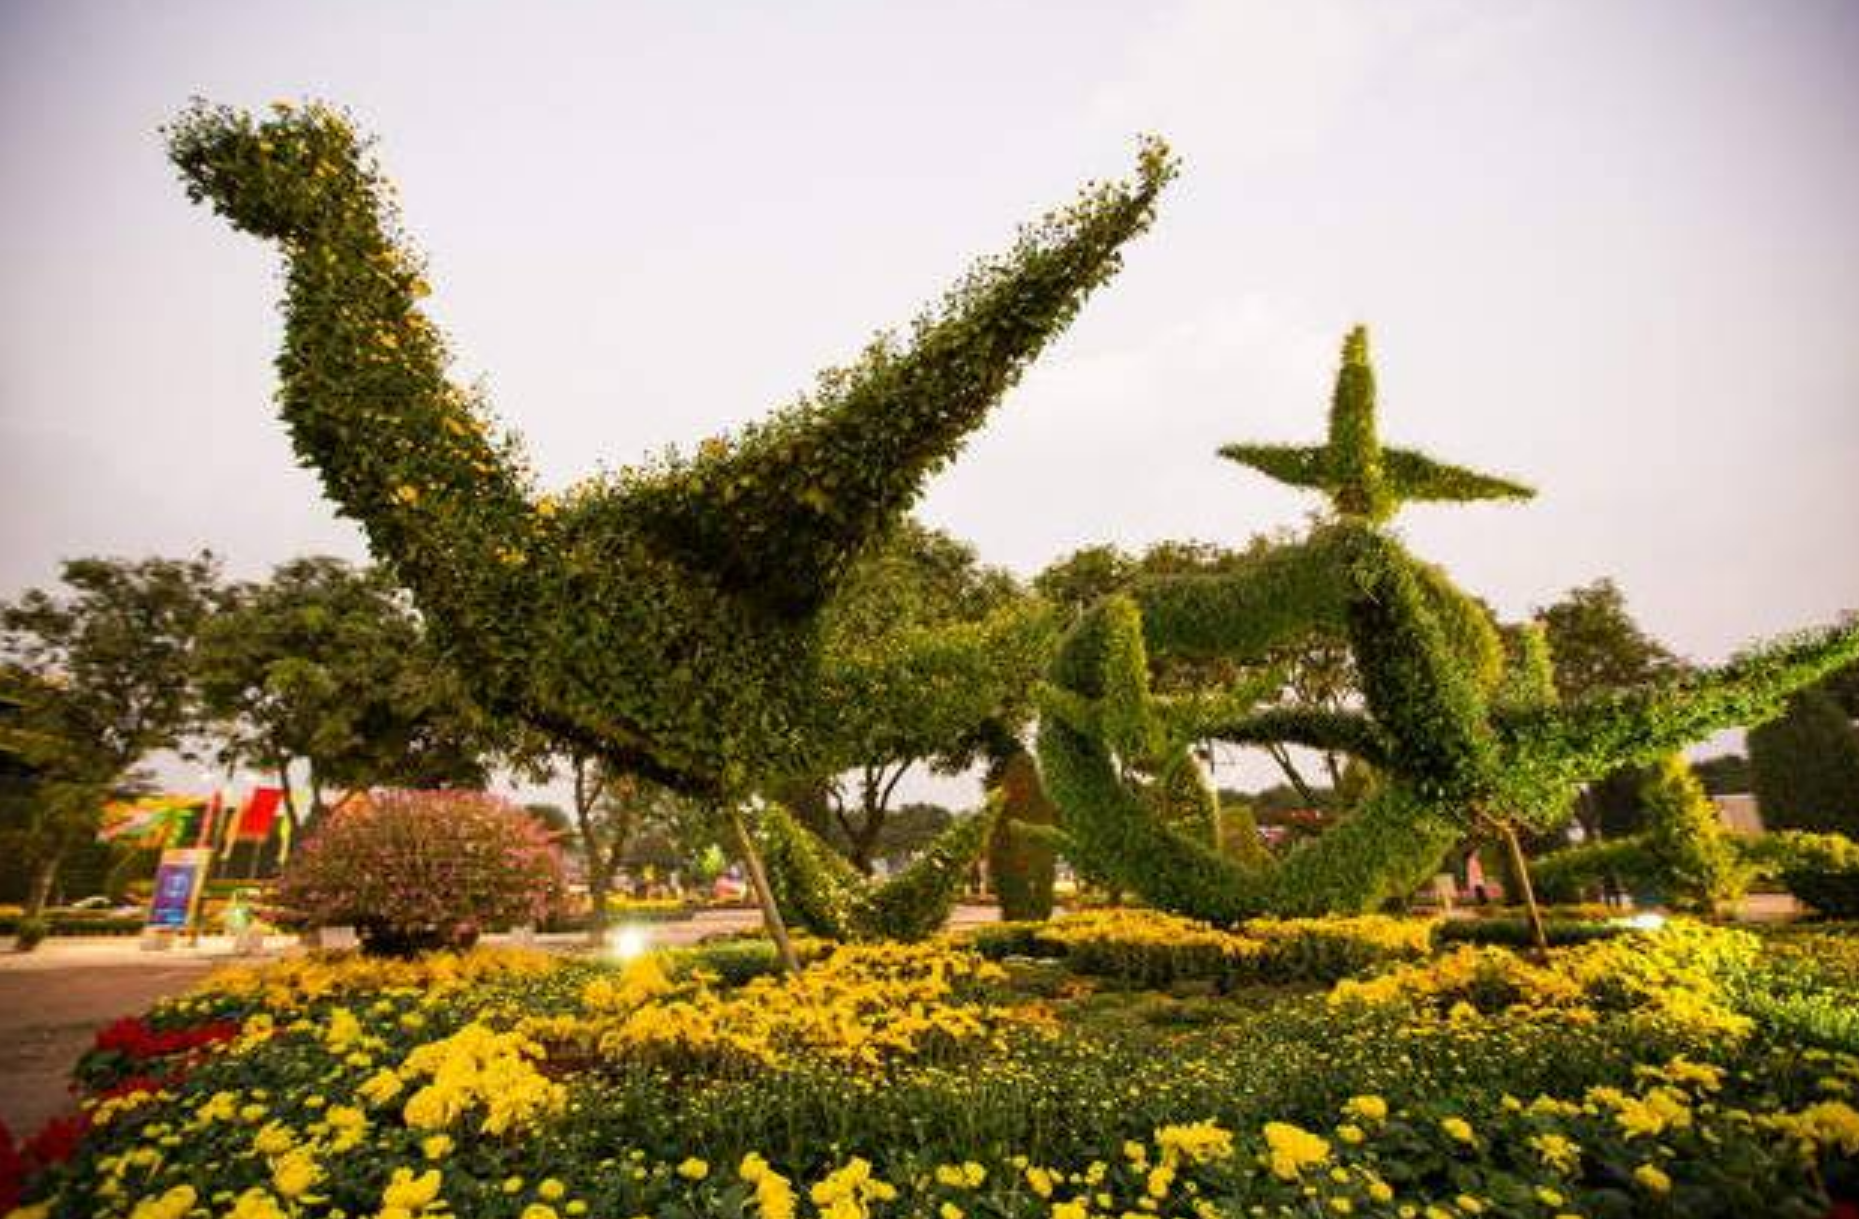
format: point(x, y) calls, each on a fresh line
point(178, 881)
point(150, 821)
point(261, 809)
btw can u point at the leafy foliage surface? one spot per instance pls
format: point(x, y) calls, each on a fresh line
point(1460, 729)
point(665, 618)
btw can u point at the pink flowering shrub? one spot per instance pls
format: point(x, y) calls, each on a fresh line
point(417, 870)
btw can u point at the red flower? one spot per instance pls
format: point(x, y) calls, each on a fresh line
point(12, 1171)
point(58, 1140)
point(133, 1038)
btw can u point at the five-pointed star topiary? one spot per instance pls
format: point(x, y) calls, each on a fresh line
point(664, 618)
point(1457, 727)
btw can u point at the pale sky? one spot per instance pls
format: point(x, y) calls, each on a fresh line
point(1607, 247)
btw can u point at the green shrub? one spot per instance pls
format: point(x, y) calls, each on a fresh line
point(1578, 872)
point(1821, 870)
point(1022, 864)
point(1513, 931)
point(1805, 765)
point(998, 941)
point(1327, 949)
point(734, 962)
point(1150, 948)
point(66, 922)
point(1697, 862)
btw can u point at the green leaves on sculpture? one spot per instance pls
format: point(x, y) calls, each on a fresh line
point(826, 895)
point(1362, 479)
point(665, 618)
point(1459, 729)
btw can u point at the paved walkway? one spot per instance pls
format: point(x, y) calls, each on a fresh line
point(51, 1008)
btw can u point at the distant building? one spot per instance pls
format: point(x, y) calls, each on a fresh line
point(1739, 813)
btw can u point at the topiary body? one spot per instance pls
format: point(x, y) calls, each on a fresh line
point(1457, 728)
point(665, 619)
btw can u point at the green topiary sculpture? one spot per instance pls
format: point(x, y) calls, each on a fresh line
point(1457, 731)
point(826, 895)
point(665, 620)
point(1022, 860)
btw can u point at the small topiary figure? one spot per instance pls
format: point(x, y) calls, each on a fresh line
point(1022, 858)
point(1459, 729)
point(825, 894)
point(414, 871)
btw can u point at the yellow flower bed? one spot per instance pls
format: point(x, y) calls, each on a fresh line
point(288, 985)
point(863, 1005)
point(1151, 948)
point(1671, 979)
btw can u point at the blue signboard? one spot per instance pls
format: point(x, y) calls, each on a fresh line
point(177, 883)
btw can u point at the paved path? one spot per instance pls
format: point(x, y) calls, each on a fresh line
point(50, 1010)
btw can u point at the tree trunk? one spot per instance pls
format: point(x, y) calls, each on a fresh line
point(1522, 868)
point(597, 890)
point(43, 878)
point(758, 878)
point(1282, 756)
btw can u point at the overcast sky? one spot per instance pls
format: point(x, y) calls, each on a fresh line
point(1609, 248)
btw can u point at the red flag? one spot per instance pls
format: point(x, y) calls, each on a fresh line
point(261, 809)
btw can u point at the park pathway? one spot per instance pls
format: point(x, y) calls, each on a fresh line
point(51, 1005)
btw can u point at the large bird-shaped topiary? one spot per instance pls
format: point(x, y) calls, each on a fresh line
point(665, 619)
point(1458, 727)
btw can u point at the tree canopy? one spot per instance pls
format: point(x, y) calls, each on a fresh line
point(96, 676)
point(929, 654)
point(327, 665)
point(1805, 766)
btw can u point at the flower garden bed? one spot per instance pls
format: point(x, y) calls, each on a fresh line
point(1355, 1069)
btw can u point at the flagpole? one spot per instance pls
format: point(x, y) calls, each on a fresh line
point(206, 869)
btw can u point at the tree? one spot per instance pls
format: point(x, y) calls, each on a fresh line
point(666, 618)
point(1724, 774)
point(928, 654)
point(612, 813)
point(326, 667)
point(910, 830)
point(1806, 766)
point(100, 674)
point(1599, 648)
point(1461, 730)
point(54, 780)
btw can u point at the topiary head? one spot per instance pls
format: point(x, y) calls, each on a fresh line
point(292, 176)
